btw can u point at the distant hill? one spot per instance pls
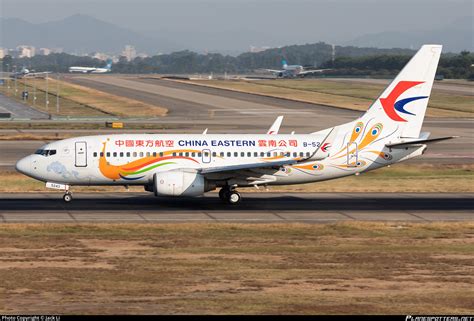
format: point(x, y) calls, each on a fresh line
point(455, 37)
point(78, 33)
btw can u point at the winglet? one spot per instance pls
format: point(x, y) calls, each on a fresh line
point(276, 126)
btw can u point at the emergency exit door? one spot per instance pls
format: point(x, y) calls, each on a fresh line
point(81, 154)
point(352, 155)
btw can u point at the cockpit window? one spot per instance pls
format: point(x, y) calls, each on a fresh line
point(46, 152)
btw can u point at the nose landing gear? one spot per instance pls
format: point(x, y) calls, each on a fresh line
point(67, 197)
point(230, 196)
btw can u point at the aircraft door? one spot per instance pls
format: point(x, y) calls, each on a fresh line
point(81, 154)
point(352, 154)
point(206, 156)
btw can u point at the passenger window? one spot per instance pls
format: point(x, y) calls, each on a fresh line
point(161, 154)
point(249, 154)
point(255, 154)
point(174, 154)
point(214, 154)
point(236, 154)
point(135, 154)
point(141, 154)
point(187, 154)
point(229, 154)
point(181, 154)
point(154, 154)
point(269, 154)
point(206, 154)
point(193, 154)
point(101, 154)
point(275, 154)
point(199, 154)
point(95, 154)
point(108, 154)
point(222, 154)
point(121, 154)
point(301, 154)
point(115, 154)
point(295, 154)
point(128, 154)
point(308, 154)
point(148, 154)
point(262, 154)
point(242, 154)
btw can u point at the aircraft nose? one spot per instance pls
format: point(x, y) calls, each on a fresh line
point(24, 165)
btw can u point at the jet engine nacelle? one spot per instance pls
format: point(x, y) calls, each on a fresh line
point(180, 183)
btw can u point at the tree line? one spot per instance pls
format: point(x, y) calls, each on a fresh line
point(342, 60)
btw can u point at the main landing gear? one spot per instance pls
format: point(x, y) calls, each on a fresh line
point(67, 197)
point(231, 196)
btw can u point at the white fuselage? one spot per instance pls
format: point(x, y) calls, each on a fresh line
point(133, 159)
point(89, 70)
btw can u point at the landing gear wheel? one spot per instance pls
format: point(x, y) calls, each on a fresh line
point(67, 197)
point(223, 194)
point(233, 197)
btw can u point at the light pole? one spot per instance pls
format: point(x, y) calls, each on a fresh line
point(57, 94)
point(34, 92)
point(14, 75)
point(46, 97)
point(8, 78)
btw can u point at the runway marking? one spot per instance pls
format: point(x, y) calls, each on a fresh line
point(142, 217)
point(421, 218)
point(278, 215)
point(209, 215)
point(347, 215)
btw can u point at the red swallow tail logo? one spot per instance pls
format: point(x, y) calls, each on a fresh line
point(325, 147)
point(391, 105)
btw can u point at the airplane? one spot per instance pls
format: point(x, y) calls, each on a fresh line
point(293, 71)
point(93, 70)
point(186, 165)
point(24, 72)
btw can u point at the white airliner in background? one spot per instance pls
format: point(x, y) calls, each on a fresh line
point(92, 70)
point(190, 165)
point(25, 72)
point(293, 71)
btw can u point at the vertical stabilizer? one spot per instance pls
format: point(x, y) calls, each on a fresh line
point(405, 100)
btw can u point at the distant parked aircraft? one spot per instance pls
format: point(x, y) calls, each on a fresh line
point(24, 72)
point(293, 71)
point(93, 70)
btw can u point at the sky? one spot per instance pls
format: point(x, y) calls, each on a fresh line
point(259, 22)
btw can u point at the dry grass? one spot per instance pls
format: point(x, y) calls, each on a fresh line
point(356, 96)
point(344, 268)
point(76, 100)
point(399, 178)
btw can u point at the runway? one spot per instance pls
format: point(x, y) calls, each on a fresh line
point(19, 110)
point(254, 208)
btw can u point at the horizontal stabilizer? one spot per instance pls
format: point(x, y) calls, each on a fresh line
point(419, 142)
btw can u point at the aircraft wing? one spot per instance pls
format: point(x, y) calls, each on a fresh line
point(232, 168)
point(36, 74)
point(274, 71)
point(313, 71)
